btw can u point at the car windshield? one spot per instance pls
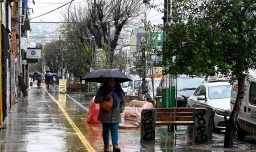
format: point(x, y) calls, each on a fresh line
point(188, 83)
point(219, 92)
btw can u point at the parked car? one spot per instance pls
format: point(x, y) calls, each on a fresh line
point(186, 85)
point(214, 94)
point(246, 119)
point(125, 86)
point(133, 87)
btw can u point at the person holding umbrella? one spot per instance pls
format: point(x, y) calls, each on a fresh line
point(110, 90)
point(48, 78)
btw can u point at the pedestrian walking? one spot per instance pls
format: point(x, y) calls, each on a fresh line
point(39, 80)
point(22, 85)
point(48, 78)
point(110, 90)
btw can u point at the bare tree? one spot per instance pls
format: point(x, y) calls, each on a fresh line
point(110, 14)
point(95, 20)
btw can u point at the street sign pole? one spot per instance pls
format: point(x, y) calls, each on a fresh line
point(169, 91)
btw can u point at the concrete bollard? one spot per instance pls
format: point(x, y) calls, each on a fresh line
point(147, 132)
point(203, 125)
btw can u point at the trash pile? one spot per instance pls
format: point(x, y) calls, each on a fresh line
point(130, 117)
point(132, 114)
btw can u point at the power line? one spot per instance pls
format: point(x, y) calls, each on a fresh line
point(49, 2)
point(46, 22)
point(53, 10)
point(47, 5)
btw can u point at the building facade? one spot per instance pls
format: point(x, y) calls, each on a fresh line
point(5, 82)
point(14, 23)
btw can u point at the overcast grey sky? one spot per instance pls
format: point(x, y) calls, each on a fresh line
point(41, 33)
point(44, 6)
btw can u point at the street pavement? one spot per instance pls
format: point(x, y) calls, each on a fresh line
point(47, 121)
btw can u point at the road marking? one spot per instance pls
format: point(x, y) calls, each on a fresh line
point(79, 104)
point(71, 122)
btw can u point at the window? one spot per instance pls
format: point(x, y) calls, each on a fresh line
point(187, 83)
point(125, 84)
point(197, 91)
point(202, 91)
point(252, 95)
point(219, 92)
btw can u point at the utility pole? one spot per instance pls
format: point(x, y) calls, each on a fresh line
point(109, 45)
point(1, 74)
point(169, 94)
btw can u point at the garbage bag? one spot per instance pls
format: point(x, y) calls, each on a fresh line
point(148, 105)
point(92, 116)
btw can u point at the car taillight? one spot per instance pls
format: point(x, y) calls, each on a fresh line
point(235, 87)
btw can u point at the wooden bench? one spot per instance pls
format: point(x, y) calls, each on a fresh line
point(199, 118)
point(174, 116)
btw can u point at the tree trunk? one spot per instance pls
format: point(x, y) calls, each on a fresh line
point(230, 124)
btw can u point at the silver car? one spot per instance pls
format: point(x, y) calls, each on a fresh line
point(214, 94)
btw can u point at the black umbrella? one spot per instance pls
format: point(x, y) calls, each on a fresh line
point(101, 74)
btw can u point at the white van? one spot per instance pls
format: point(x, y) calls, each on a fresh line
point(246, 120)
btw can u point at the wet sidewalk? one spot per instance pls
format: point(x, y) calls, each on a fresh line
point(46, 121)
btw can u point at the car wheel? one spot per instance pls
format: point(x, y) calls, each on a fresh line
point(239, 134)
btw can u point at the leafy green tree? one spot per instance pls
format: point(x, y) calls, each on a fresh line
point(208, 37)
point(78, 49)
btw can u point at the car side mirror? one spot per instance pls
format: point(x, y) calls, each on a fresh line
point(202, 97)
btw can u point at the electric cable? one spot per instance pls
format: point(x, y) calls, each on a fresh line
point(53, 10)
point(51, 2)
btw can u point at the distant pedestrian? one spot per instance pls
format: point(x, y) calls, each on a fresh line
point(39, 80)
point(48, 78)
point(35, 75)
point(22, 85)
point(110, 119)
